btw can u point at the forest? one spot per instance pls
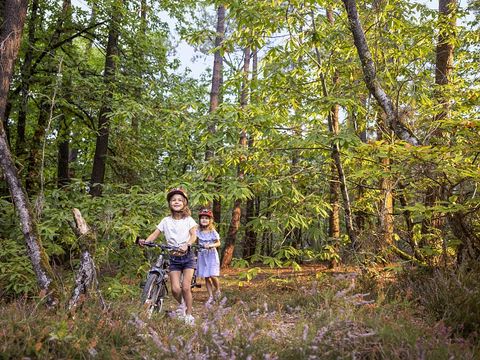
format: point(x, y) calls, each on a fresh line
point(336, 142)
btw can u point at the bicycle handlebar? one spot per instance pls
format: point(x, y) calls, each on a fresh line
point(161, 246)
point(168, 247)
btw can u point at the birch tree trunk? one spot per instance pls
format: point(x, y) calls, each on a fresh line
point(370, 76)
point(10, 37)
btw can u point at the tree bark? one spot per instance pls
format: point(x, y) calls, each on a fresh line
point(216, 97)
point(231, 238)
point(101, 147)
point(386, 191)
point(360, 215)
point(140, 61)
point(334, 128)
point(86, 276)
point(370, 76)
point(10, 37)
point(447, 10)
point(64, 156)
point(250, 242)
point(25, 76)
point(335, 154)
point(32, 183)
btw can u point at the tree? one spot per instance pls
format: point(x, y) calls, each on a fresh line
point(26, 78)
point(333, 121)
point(252, 205)
point(369, 72)
point(15, 13)
point(447, 10)
point(47, 102)
point(227, 253)
point(101, 147)
point(216, 96)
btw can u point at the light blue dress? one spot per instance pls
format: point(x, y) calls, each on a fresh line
point(208, 261)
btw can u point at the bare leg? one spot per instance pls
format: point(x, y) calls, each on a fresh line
point(208, 284)
point(186, 290)
point(175, 284)
point(215, 283)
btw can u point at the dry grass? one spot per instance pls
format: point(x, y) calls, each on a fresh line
point(311, 314)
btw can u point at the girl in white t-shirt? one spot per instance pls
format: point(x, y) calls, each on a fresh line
point(179, 230)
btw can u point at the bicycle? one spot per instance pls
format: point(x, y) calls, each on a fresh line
point(155, 289)
point(197, 248)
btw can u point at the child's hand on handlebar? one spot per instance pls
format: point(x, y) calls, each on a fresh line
point(141, 242)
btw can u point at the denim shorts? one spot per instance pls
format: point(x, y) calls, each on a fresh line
point(180, 263)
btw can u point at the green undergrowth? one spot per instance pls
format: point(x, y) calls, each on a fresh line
point(316, 315)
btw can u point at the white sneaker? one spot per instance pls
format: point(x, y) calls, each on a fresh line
point(209, 301)
point(180, 312)
point(189, 320)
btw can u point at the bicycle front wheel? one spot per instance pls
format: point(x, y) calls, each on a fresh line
point(153, 293)
point(150, 293)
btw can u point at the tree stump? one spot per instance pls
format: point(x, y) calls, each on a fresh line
point(86, 276)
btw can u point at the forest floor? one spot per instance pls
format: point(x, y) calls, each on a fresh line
point(314, 313)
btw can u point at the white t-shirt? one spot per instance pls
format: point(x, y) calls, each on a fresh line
point(177, 232)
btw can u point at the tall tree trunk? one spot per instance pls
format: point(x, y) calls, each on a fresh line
point(334, 213)
point(371, 81)
point(361, 126)
point(63, 163)
point(45, 111)
point(250, 242)
point(335, 154)
point(92, 21)
point(25, 79)
point(447, 10)
point(101, 148)
point(139, 56)
point(266, 245)
point(10, 37)
point(227, 254)
point(408, 222)
point(386, 191)
point(32, 183)
point(63, 151)
point(216, 97)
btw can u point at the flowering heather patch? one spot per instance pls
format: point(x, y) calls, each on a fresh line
point(284, 316)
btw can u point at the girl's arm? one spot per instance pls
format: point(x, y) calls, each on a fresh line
point(151, 238)
point(216, 244)
point(191, 240)
point(193, 236)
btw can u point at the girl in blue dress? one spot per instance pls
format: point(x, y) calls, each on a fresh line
point(208, 261)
